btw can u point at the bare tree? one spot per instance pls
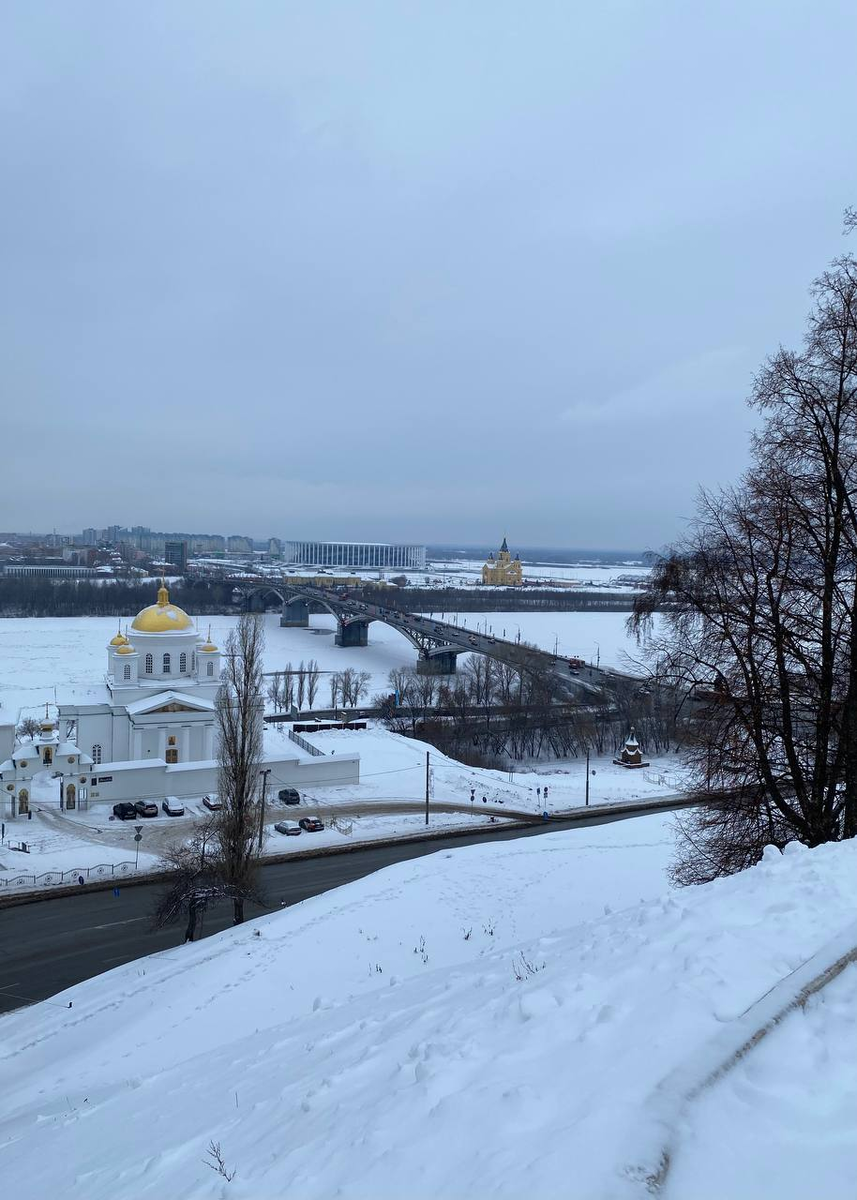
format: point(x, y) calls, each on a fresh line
point(360, 686)
point(274, 688)
point(288, 691)
point(196, 881)
point(301, 684)
point(28, 727)
point(760, 605)
point(335, 684)
point(347, 685)
point(312, 681)
point(239, 726)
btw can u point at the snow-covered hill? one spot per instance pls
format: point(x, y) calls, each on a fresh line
point(474, 1023)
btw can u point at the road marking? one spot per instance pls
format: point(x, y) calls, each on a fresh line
point(110, 924)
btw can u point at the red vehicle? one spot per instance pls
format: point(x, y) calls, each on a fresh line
point(576, 664)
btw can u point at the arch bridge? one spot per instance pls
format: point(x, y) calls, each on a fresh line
point(438, 643)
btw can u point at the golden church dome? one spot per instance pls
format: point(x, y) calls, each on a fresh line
point(208, 646)
point(119, 640)
point(126, 649)
point(162, 617)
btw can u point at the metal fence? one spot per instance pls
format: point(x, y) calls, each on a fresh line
point(56, 878)
point(305, 745)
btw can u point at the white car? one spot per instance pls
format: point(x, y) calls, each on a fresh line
point(173, 807)
point(290, 828)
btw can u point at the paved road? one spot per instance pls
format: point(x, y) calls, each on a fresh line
point(50, 945)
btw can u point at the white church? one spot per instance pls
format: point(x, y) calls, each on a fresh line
point(152, 734)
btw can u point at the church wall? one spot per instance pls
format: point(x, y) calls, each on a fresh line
point(96, 729)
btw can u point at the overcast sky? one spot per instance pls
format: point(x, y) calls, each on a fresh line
point(430, 271)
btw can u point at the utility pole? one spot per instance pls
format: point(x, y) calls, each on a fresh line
point(264, 775)
point(587, 777)
point(427, 787)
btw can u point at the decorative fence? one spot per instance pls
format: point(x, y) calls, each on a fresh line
point(305, 745)
point(56, 878)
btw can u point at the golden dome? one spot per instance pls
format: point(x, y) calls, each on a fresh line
point(208, 645)
point(126, 649)
point(162, 617)
point(119, 640)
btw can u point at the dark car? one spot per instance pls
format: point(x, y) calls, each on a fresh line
point(311, 824)
point(125, 811)
point(146, 808)
point(289, 795)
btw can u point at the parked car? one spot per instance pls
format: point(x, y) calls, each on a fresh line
point(290, 828)
point(146, 808)
point(289, 795)
point(124, 811)
point(212, 803)
point(173, 807)
point(311, 824)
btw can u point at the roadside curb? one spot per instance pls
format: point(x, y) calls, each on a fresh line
point(568, 817)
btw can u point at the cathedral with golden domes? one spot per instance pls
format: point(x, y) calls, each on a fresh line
point(149, 731)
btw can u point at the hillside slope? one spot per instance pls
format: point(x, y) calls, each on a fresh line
point(459, 1025)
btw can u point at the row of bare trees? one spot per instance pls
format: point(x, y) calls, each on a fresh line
point(348, 687)
point(760, 611)
point(295, 686)
point(492, 713)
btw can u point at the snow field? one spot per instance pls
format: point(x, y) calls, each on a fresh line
point(483, 1022)
point(43, 659)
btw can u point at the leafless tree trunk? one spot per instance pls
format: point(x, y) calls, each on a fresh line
point(335, 684)
point(239, 726)
point(312, 681)
point(301, 684)
point(196, 881)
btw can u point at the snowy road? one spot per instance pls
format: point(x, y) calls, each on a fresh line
point(61, 941)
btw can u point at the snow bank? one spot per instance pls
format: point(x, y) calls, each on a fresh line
point(475, 1023)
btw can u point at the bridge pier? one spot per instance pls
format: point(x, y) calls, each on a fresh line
point(443, 663)
point(352, 633)
point(295, 614)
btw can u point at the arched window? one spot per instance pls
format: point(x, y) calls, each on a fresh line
point(150, 664)
point(126, 671)
point(96, 754)
point(182, 663)
point(209, 669)
point(166, 669)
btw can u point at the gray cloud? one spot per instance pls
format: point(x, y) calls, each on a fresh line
point(405, 270)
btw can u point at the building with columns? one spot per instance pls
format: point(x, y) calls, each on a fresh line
point(152, 731)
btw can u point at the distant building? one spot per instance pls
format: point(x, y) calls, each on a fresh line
point(503, 571)
point(275, 548)
point(236, 544)
point(356, 554)
point(175, 553)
